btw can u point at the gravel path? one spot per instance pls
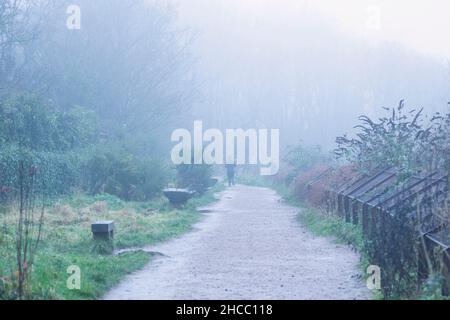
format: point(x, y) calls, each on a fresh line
point(249, 247)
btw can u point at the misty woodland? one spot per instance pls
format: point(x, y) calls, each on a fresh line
point(272, 149)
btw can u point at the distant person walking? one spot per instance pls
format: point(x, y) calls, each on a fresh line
point(231, 172)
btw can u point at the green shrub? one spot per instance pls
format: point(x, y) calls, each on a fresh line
point(57, 173)
point(61, 146)
point(48, 140)
point(301, 158)
point(402, 139)
point(33, 124)
point(194, 177)
point(118, 172)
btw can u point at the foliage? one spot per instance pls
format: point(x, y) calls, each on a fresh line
point(72, 148)
point(436, 148)
point(37, 134)
point(33, 124)
point(194, 177)
point(301, 158)
point(394, 140)
point(432, 289)
point(116, 171)
point(405, 141)
point(301, 188)
point(27, 234)
point(324, 224)
point(59, 173)
point(60, 144)
point(150, 83)
point(392, 244)
point(17, 28)
point(67, 241)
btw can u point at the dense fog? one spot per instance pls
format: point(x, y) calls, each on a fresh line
point(149, 67)
point(293, 66)
point(236, 129)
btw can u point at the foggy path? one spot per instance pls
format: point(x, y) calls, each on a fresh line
point(249, 246)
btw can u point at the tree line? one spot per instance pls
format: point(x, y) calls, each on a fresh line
point(89, 107)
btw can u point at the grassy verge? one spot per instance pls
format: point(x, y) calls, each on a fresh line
point(67, 241)
point(327, 225)
point(324, 224)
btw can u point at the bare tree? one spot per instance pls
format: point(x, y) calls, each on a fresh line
point(128, 62)
point(21, 23)
point(28, 228)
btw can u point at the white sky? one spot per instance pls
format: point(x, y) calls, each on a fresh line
point(422, 25)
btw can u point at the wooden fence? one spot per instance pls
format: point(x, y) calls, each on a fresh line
point(374, 200)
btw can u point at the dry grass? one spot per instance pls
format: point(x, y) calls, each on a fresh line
point(301, 189)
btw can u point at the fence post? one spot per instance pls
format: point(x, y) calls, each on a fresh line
point(339, 203)
point(365, 213)
point(374, 221)
point(335, 202)
point(446, 267)
point(422, 264)
point(355, 217)
point(347, 209)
